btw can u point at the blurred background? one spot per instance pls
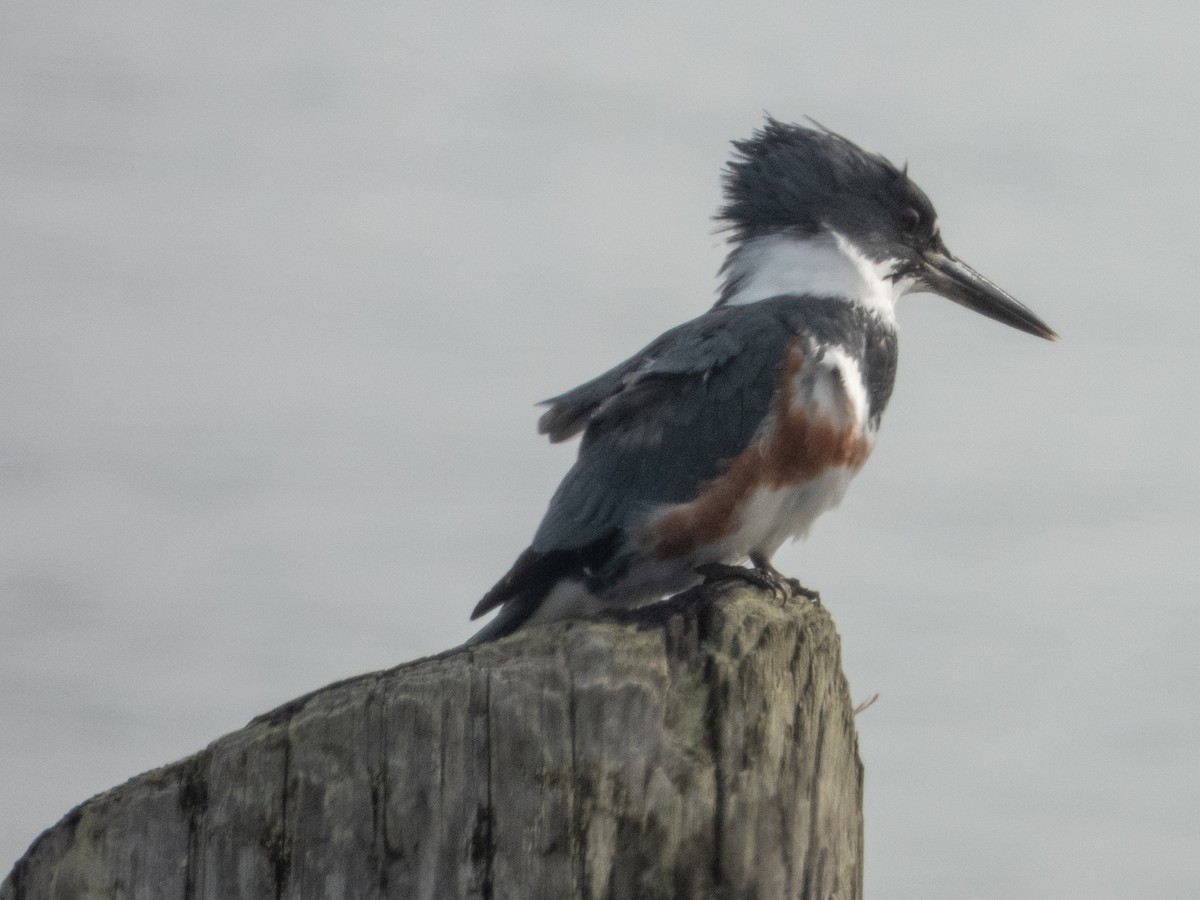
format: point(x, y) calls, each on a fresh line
point(279, 285)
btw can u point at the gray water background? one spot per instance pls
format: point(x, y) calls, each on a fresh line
point(280, 283)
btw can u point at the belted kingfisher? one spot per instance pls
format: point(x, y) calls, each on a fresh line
point(731, 433)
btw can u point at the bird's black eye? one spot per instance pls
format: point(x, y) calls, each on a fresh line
point(910, 220)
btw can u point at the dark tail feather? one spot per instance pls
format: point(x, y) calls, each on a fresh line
point(520, 592)
point(535, 573)
point(513, 614)
point(533, 570)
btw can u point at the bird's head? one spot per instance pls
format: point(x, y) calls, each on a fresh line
point(795, 180)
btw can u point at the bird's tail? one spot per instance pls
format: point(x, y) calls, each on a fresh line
point(520, 592)
point(515, 612)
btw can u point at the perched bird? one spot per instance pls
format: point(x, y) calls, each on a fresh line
point(731, 433)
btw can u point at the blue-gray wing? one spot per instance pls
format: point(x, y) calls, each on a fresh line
point(663, 423)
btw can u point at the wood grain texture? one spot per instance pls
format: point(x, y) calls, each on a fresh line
point(700, 748)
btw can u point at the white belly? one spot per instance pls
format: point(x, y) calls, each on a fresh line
point(772, 517)
point(769, 519)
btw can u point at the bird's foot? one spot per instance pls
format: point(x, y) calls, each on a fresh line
point(800, 590)
point(790, 586)
point(756, 577)
point(808, 593)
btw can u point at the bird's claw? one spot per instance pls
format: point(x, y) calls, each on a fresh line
point(766, 579)
point(727, 572)
point(802, 591)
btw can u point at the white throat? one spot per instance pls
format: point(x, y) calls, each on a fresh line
point(822, 265)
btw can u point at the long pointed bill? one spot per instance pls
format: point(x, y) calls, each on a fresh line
point(955, 280)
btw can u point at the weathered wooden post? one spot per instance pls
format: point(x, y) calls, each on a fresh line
point(702, 748)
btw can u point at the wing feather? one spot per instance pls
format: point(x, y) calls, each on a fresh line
point(664, 422)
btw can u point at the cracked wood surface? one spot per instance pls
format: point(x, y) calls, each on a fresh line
point(700, 748)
